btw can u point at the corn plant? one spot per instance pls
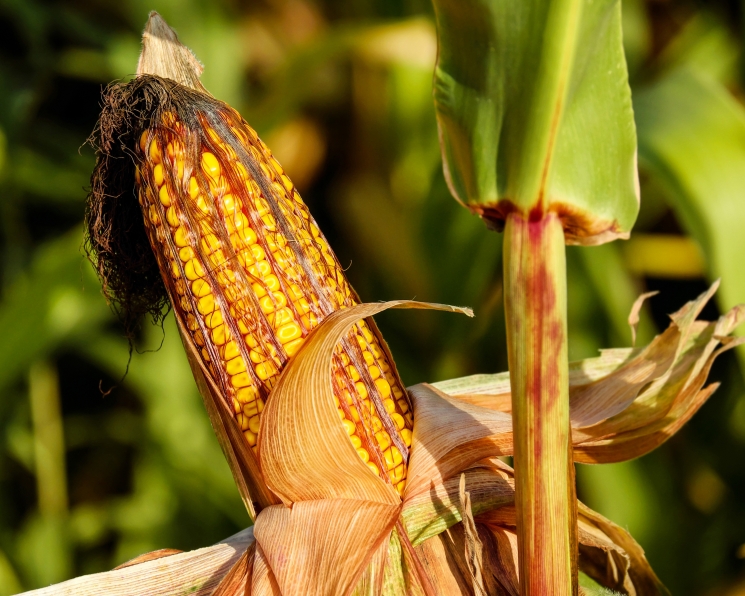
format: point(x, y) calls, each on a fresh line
point(356, 484)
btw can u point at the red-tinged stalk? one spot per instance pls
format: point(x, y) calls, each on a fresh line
point(535, 308)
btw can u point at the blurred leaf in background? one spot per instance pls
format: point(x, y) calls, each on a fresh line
point(341, 92)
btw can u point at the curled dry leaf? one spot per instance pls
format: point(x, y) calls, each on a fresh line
point(304, 452)
point(634, 314)
point(624, 403)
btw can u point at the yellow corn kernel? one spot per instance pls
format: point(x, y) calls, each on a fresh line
point(265, 370)
point(406, 436)
point(193, 188)
point(235, 366)
point(158, 174)
point(155, 155)
point(309, 320)
point(401, 487)
point(201, 289)
point(361, 389)
point(396, 455)
point(289, 332)
point(210, 243)
point(364, 455)
point(348, 425)
point(210, 165)
point(272, 302)
point(172, 216)
point(383, 440)
point(220, 335)
point(230, 205)
point(143, 141)
point(236, 223)
point(153, 215)
point(251, 438)
point(214, 319)
point(356, 442)
point(374, 372)
point(206, 304)
point(272, 283)
point(247, 394)
point(373, 467)
point(181, 237)
point(398, 421)
point(291, 348)
point(384, 388)
point(254, 423)
point(389, 406)
point(186, 254)
point(353, 373)
point(164, 196)
point(193, 269)
point(250, 409)
point(241, 380)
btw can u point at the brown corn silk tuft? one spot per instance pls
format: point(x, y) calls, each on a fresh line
point(236, 251)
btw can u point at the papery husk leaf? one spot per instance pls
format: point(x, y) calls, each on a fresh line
point(505, 567)
point(636, 308)
point(394, 581)
point(643, 578)
point(371, 582)
point(430, 512)
point(437, 560)
point(473, 433)
point(626, 402)
point(263, 582)
point(473, 545)
point(305, 453)
point(322, 547)
point(608, 553)
point(241, 459)
point(196, 572)
point(237, 581)
point(165, 56)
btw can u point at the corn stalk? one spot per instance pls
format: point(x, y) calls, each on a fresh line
point(538, 139)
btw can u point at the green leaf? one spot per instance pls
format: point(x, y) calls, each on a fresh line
point(534, 110)
point(692, 140)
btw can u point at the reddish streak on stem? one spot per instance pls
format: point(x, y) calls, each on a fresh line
point(535, 304)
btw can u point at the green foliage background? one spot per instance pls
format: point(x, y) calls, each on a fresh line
point(341, 90)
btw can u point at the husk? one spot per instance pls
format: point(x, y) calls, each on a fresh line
point(636, 308)
point(322, 547)
point(626, 402)
point(304, 451)
point(196, 573)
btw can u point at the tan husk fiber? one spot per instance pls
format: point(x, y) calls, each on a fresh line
point(304, 451)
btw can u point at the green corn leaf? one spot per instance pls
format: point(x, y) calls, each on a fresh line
point(692, 140)
point(534, 110)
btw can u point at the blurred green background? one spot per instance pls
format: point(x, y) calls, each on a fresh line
point(341, 91)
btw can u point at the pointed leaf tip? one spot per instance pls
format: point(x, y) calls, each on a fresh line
point(163, 55)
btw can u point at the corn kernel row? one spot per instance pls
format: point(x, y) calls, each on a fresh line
point(254, 276)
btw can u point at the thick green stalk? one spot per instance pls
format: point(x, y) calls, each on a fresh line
point(535, 307)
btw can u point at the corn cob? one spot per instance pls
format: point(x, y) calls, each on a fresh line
point(250, 274)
